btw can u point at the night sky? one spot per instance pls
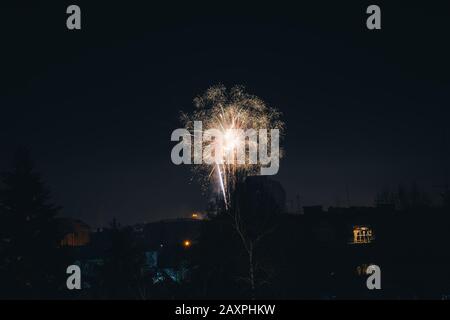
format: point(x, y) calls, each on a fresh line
point(363, 109)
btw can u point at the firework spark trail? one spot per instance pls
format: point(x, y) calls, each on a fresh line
point(222, 186)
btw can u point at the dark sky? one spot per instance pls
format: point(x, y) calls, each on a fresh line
point(363, 109)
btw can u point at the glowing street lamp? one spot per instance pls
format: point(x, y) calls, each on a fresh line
point(187, 243)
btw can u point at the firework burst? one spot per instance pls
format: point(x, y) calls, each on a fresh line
point(229, 113)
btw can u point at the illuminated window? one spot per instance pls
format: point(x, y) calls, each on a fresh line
point(362, 234)
point(197, 216)
point(361, 270)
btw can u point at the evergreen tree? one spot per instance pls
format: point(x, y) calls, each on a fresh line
point(29, 261)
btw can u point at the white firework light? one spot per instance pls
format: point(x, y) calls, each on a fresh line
point(236, 117)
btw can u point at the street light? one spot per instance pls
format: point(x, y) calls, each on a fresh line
point(187, 243)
